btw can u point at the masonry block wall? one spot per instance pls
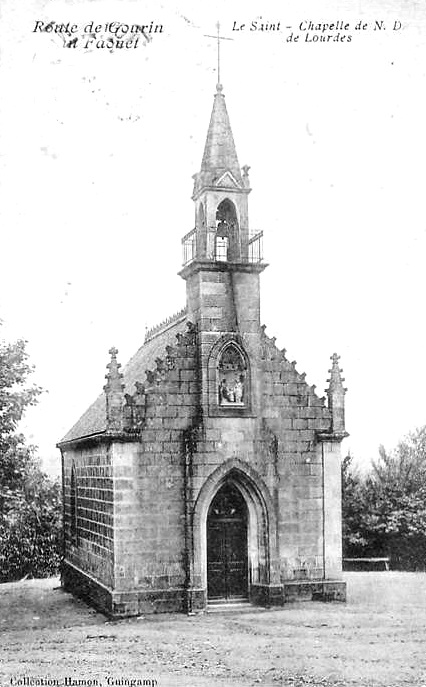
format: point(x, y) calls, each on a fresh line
point(295, 414)
point(89, 532)
point(150, 497)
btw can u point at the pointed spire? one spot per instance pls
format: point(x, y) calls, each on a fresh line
point(220, 154)
point(114, 392)
point(336, 395)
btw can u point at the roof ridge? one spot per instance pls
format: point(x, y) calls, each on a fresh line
point(164, 325)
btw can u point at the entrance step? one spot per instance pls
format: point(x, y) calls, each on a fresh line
point(219, 605)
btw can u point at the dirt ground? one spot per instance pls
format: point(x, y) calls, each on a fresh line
point(378, 638)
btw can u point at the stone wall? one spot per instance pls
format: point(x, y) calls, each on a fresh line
point(294, 415)
point(149, 486)
point(92, 547)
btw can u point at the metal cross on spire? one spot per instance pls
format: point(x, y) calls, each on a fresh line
point(218, 38)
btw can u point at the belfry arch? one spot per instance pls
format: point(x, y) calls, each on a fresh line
point(239, 481)
point(227, 247)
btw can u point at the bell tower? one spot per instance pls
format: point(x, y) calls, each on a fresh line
point(222, 257)
point(220, 194)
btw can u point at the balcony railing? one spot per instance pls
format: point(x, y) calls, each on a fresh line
point(189, 246)
point(255, 247)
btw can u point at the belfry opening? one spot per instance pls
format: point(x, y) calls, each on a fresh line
point(227, 232)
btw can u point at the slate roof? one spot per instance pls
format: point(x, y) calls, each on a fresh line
point(93, 421)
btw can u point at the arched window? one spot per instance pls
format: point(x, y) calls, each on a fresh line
point(73, 506)
point(232, 376)
point(227, 233)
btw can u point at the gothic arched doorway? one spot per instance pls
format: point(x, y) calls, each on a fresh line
point(227, 565)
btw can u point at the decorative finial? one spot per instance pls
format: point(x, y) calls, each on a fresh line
point(336, 396)
point(114, 376)
point(114, 393)
point(336, 380)
point(246, 179)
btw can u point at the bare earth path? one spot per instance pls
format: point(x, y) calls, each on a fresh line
point(377, 639)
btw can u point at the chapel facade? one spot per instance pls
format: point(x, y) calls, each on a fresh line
point(209, 469)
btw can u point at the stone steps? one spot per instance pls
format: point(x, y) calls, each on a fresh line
point(220, 605)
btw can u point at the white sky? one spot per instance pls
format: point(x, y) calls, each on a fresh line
point(98, 150)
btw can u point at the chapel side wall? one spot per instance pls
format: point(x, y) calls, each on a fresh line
point(90, 548)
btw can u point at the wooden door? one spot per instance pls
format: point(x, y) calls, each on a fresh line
point(227, 545)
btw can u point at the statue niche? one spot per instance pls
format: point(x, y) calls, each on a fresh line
point(232, 375)
point(227, 232)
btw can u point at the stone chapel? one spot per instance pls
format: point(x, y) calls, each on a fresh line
point(208, 470)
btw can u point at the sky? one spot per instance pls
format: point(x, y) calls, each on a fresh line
point(98, 149)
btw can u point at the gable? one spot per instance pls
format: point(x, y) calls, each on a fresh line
point(227, 180)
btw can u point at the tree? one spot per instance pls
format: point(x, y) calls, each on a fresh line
point(384, 513)
point(14, 396)
point(30, 512)
point(354, 539)
point(398, 496)
point(31, 527)
point(405, 466)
